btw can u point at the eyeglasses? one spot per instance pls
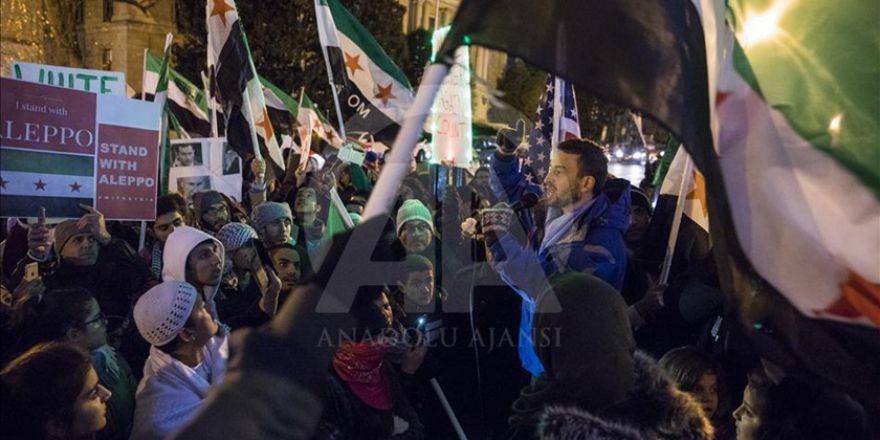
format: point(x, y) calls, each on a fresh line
point(217, 210)
point(101, 318)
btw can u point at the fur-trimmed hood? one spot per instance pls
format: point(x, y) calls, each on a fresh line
point(653, 409)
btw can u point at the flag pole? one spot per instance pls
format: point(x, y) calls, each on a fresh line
point(397, 164)
point(142, 238)
point(144, 77)
point(215, 128)
point(249, 113)
point(448, 408)
point(676, 219)
point(330, 78)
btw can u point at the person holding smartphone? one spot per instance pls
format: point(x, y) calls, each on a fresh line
point(417, 307)
point(248, 295)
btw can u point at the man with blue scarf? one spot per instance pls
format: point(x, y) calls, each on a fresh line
point(587, 215)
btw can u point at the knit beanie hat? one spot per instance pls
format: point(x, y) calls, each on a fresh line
point(267, 212)
point(162, 312)
point(65, 231)
point(413, 209)
point(235, 235)
point(203, 200)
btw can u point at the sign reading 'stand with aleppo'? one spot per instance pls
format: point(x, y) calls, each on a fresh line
point(62, 147)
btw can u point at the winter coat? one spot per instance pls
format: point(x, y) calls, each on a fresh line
point(171, 392)
point(594, 244)
point(347, 417)
point(654, 409)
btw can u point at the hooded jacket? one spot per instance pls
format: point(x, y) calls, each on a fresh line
point(177, 249)
point(593, 244)
point(654, 409)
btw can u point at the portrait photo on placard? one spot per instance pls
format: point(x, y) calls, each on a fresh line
point(187, 186)
point(231, 161)
point(187, 155)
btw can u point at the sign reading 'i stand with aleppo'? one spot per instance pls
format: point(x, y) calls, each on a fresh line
point(61, 147)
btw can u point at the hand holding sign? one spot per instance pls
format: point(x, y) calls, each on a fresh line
point(95, 220)
point(38, 237)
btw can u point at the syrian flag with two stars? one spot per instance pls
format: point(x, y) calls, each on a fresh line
point(373, 93)
point(235, 78)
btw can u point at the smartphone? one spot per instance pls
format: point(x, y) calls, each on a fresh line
point(31, 271)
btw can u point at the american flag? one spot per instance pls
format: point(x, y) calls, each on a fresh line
point(556, 120)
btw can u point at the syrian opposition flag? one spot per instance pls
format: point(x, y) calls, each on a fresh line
point(237, 85)
point(373, 92)
point(682, 179)
point(161, 97)
point(798, 120)
point(279, 100)
point(186, 101)
point(58, 182)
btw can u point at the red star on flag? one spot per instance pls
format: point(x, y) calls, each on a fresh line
point(3, 183)
point(40, 185)
point(75, 186)
point(266, 125)
point(221, 8)
point(385, 94)
point(353, 63)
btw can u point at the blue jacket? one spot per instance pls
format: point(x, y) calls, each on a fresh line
point(593, 244)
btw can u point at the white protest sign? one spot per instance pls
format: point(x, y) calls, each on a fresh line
point(202, 164)
point(87, 80)
point(451, 115)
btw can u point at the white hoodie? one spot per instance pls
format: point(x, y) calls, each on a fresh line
point(177, 248)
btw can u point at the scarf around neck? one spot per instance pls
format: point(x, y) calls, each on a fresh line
point(360, 366)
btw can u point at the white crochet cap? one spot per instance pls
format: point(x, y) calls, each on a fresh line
point(162, 312)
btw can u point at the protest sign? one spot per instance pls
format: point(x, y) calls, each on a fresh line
point(203, 164)
point(451, 118)
point(62, 147)
point(87, 80)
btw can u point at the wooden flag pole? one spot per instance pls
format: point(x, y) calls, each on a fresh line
point(398, 158)
point(676, 219)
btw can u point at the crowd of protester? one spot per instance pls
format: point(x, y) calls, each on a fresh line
point(490, 317)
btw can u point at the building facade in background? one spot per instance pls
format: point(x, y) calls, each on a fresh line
point(112, 35)
point(94, 34)
point(486, 65)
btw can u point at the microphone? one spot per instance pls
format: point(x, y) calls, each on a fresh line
point(527, 201)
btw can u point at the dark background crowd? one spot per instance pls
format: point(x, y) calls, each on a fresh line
point(485, 305)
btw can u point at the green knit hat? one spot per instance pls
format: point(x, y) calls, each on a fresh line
point(413, 209)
